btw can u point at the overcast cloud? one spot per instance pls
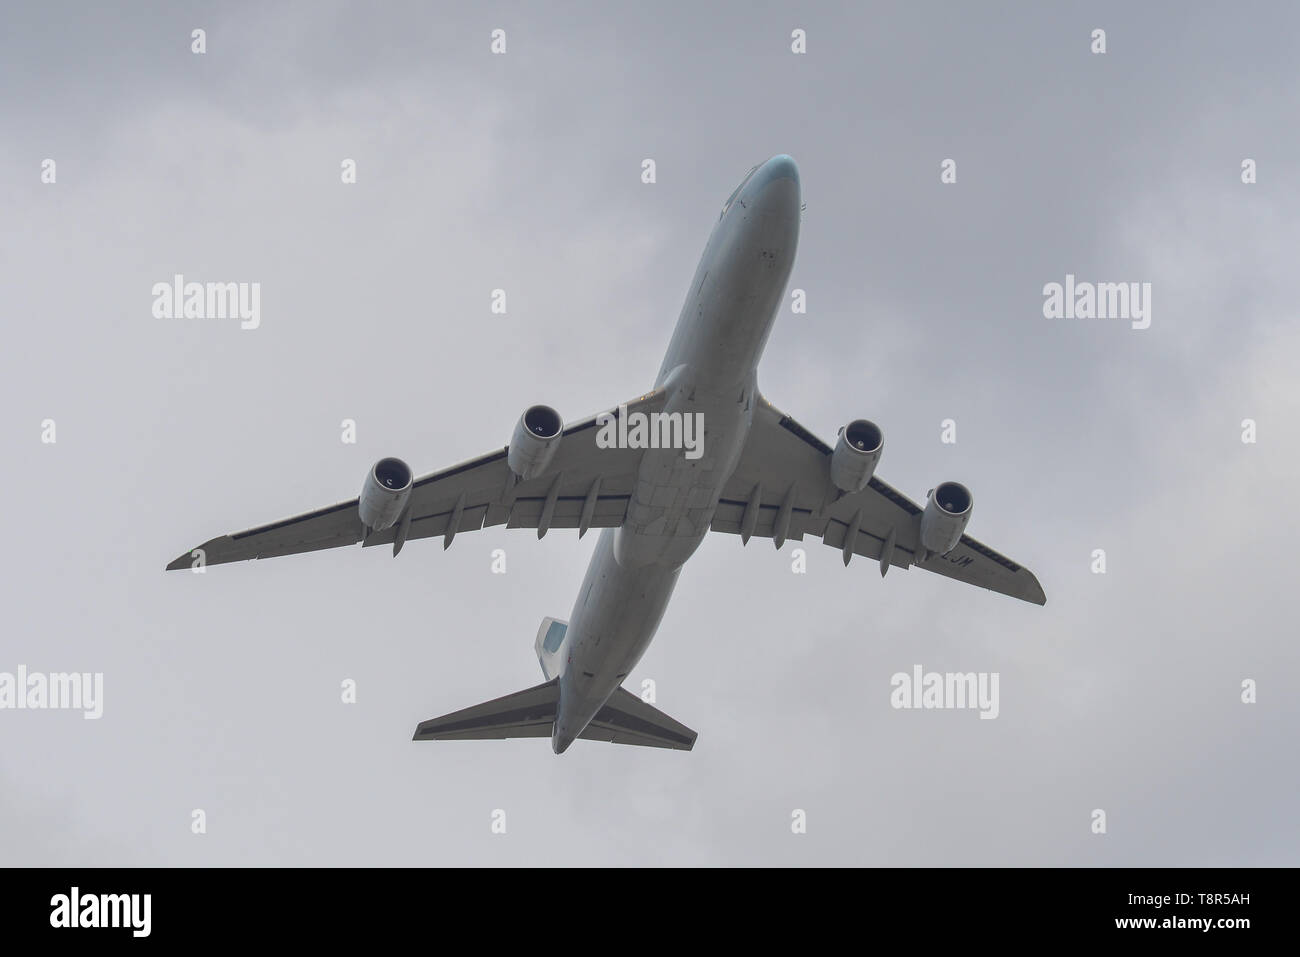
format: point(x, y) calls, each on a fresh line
point(522, 172)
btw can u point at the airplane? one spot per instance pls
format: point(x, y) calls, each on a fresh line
point(756, 473)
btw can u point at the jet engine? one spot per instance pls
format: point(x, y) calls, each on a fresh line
point(384, 494)
point(947, 510)
point(856, 455)
point(533, 445)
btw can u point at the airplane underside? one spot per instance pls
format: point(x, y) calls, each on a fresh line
point(748, 470)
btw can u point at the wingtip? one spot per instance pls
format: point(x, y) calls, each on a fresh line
point(207, 550)
point(1037, 595)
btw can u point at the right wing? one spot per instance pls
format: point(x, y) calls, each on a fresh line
point(782, 459)
point(476, 494)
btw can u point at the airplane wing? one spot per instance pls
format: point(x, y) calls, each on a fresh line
point(784, 471)
point(582, 478)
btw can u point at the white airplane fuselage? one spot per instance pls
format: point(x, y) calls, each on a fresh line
point(711, 369)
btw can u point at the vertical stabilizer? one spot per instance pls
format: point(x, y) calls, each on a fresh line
point(550, 639)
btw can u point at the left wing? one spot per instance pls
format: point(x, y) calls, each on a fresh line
point(585, 486)
point(781, 489)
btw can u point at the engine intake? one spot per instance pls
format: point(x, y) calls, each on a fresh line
point(856, 454)
point(947, 510)
point(384, 494)
point(533, 445)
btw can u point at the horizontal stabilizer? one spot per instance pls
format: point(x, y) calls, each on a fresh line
point(624, 719)
point(524, 714)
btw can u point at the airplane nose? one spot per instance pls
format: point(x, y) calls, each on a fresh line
point(776, 191)
point(782, 166)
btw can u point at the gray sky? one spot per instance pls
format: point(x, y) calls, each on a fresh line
point(522, 172)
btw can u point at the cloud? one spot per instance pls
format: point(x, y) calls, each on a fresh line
point(522, 172)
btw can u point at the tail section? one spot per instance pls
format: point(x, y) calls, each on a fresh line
point(524, 714)
point(624, 719)
point(549, 639)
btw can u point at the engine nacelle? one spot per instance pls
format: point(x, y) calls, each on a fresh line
point(384, 494)
point(947, 510)
point(533, 445)
point(856, 455)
